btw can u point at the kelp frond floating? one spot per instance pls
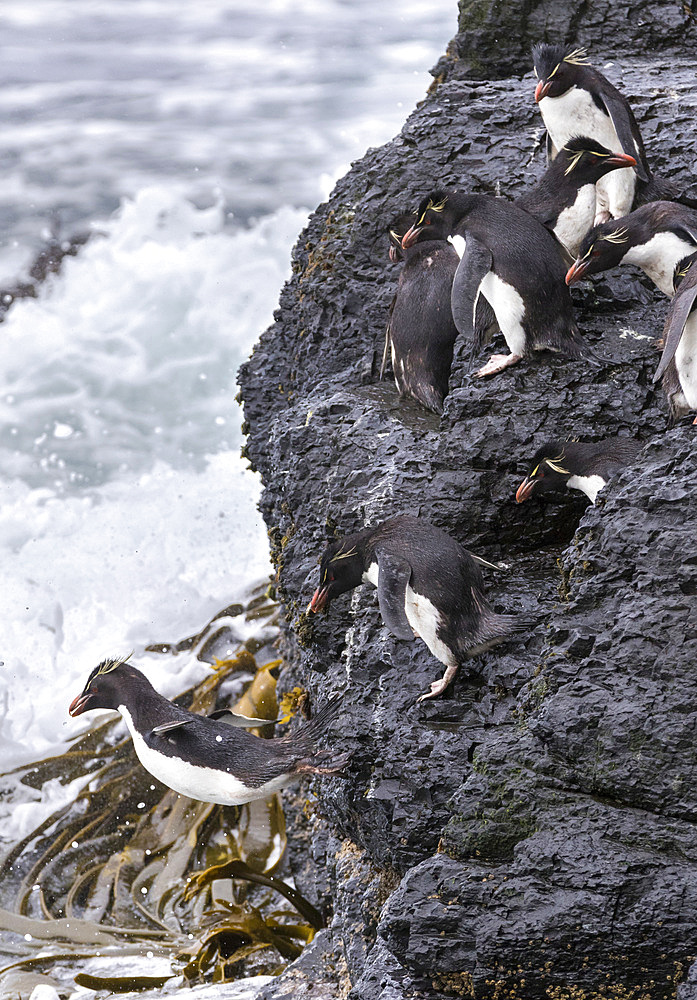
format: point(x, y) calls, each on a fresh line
point(132, 868)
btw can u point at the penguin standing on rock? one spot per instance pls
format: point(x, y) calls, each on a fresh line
point(559, 466)
point(510, 259)
point(678, 364)
point(564, 200)
point(575, 99)
point(201, 757)
point(655, 237)
point(429, 587)
point(420, 331)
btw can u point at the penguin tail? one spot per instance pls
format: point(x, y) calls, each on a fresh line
point(426, 394)
point(325, 762)
point(580, 350)
point(308, 759)
point(494, 628)
point(660, 189)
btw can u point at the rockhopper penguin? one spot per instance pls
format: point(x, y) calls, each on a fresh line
point(564, 199)
point(575, 99)
point(511, 260)
point(420, 331)
point(429, 587)
point(559, 466)
point(678, 364)
point(655, 237)
point(201, 757)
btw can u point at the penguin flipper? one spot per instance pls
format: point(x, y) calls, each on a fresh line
point(627, 131)
point(169, 727)
point(393, 576)
point(551, 149)
point(388, 338)
point(473, 268)
point(680, 309)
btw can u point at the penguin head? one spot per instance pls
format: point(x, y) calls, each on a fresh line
point(548, 472)
point(433, 218)
point(586, 160)
point(105, 686)
point(396, 252)
point(556, 68)
point(682, 268)
point(340, 569)
point(602, 248)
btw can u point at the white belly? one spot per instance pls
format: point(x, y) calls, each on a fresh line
point(509, 309)
point(574, 114)
point(574, 222)
point(658, 258)
point(424, 618)
point(590, 485)
point(459, 243)
point(206, 784)
point(686, 361)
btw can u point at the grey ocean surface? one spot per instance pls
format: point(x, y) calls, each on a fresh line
point(192, 140)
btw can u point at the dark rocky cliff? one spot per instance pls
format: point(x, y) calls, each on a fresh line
point(532, 833)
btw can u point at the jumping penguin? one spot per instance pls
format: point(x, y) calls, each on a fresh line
point(655, 237)
point(678, 364)
point(564, 199)
point(201, 757)
point(515, 263)
point(429, 587)
point(559, 466)
point(576, 99)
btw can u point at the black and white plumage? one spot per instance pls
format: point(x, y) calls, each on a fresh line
point(678, 365)
point(428, 585)
point(511, 260)
point(576, 99)
point(558, 466)
point(200, 756)
point(421, 332)
point(564, 199)
point(655, 237)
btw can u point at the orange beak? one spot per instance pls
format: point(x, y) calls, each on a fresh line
point(320, 600)
point(78, 705)
point(410, 237)
point(576, 271)
point(541, 90)
point(524, 490)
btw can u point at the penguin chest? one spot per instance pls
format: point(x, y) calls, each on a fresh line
point(426, 620)
point(509, 309)
point(658, 256)
point(590, 485)
point(686, 361)
point(207, 784)
point(575, 220)
point(576, 113)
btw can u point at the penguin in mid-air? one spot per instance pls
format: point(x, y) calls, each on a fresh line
point(655, 237)
point(678, 364)
point(515, 263)
point(558, 466)
point(420, 332)
point(429, 587)
point(199, 756)
point(575, 99)
point(564, 199)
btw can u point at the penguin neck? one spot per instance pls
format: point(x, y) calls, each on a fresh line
point(590, 485)
point(658, 257)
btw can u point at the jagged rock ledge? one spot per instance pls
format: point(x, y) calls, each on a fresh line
point(531, 834)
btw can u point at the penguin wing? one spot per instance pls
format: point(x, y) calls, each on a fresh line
point(680, 309)
point(393, 576)
point(475, 265)
point(388, 337)
point(168, 727)
point(627, 130)
point(551, 149)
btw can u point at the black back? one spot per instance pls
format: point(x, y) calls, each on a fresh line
point(556, 461)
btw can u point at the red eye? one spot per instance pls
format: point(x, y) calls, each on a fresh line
point(540, 475)
point(427, 222)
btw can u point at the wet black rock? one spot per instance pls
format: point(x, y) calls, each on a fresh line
point(534, 829)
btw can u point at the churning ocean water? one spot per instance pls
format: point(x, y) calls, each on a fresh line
point(191, 140)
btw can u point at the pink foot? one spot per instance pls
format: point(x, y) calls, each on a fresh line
point(694, 421)
point(496, 363)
